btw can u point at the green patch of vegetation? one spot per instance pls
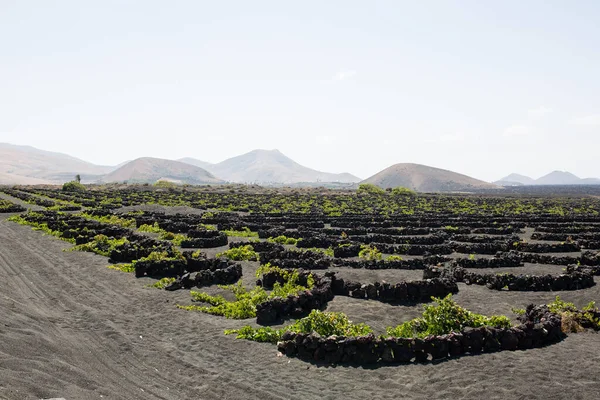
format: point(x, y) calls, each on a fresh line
point(73, 186)
point(101, 244)
point(369, 253)
point(161, 284)
point(393, 258)
point(450, 228)
point(402, 191)
point(289, 276)
point(242, 253)
point(165, 184)
point(128, 267)
point(445, 317)
point(281, 239)
point(111, 220)
point(326, 252)
point(208, 215)
point(572, 319)
point(36, 226)
point(246, 301)
point(208, 227)
point(324, 323)
point(243, 307)
point(175, 238)
point(245, 232)
point(369, 189)
point(154, 228)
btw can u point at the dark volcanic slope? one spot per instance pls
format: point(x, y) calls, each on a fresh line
point(150, 170)
point(425, 179)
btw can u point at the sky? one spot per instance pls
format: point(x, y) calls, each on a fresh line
point(484, 88)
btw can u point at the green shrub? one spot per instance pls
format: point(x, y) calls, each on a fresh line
point(402, 191)
point(164, 282)
point(283, 240)
point(572, 319)
point(165, 184)
point(369, 188)
point(37, 226)
point(445, 317)
point(154, 228)
point(324, 323)
point(369, 253)
point(208, 227)
point(175, 238)
point(73, 186)
point(242, 253)
point(246, 301)
point(110, 219)
point(128, 267)
point(393, 257)
point(326, 252)
point(245, 232)
point(101, 244)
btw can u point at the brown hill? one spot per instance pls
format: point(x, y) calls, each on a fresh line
point(150, 170)
point(28, 165)
point(422, 178)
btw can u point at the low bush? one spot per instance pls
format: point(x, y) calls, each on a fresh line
point(162, 283)
point(370, 189)
point(111, 220)
point(574, 320)
point(402, 191)
point(73, 186)
point(150, 228)
point(246, 301)
point(444, 317)
point(101, 244)
point(283, 240)
point(369, 253)
point(243, 253)
point(324, 323)
point(245, 232)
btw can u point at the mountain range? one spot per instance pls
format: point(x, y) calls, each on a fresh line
point(30, 166)
point(553, 178)
point(268, 166)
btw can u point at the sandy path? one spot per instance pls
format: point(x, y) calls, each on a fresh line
point(73, 328)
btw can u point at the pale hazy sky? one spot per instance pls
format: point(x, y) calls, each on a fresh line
point(484, 88)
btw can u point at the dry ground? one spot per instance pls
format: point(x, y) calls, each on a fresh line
point(72, 328)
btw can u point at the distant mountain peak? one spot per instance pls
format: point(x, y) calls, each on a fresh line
point(515, 179)
point(272, 166)
point(556, 177)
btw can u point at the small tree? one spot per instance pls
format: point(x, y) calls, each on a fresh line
point(78, 178)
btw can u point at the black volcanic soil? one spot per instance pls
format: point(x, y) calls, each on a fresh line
point(73, 328)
